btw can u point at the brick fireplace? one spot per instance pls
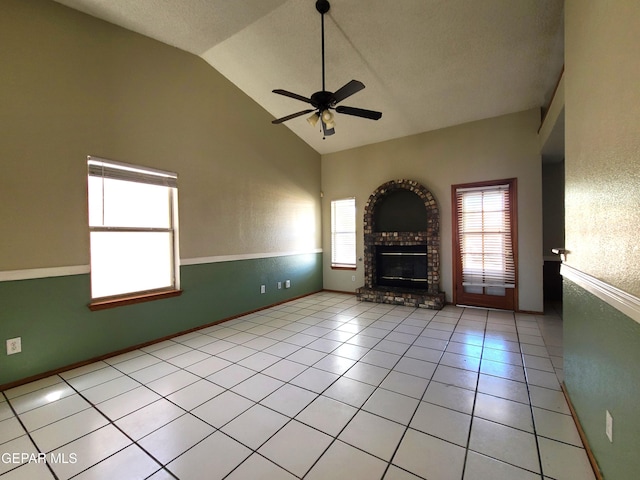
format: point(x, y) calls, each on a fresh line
point(402, 247)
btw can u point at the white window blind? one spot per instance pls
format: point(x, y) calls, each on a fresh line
point(343, 233)
point(132, 227)
point(484, 230)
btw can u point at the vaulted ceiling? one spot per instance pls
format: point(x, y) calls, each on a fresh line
point(426, 64)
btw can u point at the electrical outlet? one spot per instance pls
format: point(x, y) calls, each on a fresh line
point(279, 285)
point(609, 426)
point(14, 345)
point(263, 289)
point(353, 278)
point(287, 284)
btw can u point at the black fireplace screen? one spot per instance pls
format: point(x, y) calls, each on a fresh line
point(402, 266)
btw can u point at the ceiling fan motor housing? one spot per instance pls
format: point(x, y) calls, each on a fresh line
point(323, 100)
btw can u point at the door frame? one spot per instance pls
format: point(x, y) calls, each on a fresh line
point(508, 302)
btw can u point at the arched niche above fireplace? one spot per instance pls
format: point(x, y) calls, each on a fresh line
point(402, 246)
point(400, 210)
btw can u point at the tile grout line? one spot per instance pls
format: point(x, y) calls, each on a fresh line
point(390, 462)
point(95, 407)
point(360, 408)
point(28, 433)
point(493, 395)
point(292, 418)
point(526, 379)
point(475, 397)
point(112, 422)
point(128, 374)
point(342, 375)
point(308, 366)
point(263, 320)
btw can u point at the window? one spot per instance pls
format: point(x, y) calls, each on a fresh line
point(133, 230)
point(484, 243)
point(343, 233)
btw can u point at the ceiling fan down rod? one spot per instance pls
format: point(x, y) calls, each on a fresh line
point(323, 7)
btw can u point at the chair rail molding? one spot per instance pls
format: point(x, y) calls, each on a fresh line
point(618, 299)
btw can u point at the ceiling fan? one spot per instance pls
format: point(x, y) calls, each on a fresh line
point(324, 101)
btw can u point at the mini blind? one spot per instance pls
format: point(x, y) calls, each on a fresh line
point(484, 235)
point(133, 229)
point(121, 171)
point(343, 233)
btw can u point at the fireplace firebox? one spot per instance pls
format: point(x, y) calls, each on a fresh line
point(401, 266)
point(401, 246)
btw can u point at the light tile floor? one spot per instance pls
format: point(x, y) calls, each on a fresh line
point(317, 388)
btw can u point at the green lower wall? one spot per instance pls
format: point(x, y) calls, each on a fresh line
point(58, 329)
point(602, 372)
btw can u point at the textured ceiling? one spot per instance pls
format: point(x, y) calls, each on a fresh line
point(426, 64)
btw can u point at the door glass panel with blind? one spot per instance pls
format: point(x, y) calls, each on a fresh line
point(485, 260)
point(343, 233)
point(133, 229)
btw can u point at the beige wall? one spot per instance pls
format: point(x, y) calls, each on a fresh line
point(73, 86)
point(492, 149)
point(602, 141)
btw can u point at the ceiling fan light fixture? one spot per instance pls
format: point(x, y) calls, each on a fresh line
point(327, 116)
point(313, 119)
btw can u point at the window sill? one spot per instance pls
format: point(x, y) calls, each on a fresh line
point(343, 267)
point(139, 298)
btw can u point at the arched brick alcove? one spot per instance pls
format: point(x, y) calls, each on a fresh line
point(423, 292)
